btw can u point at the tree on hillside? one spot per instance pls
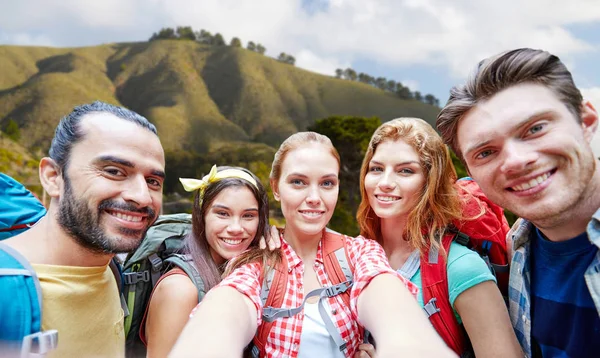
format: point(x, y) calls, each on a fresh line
point(350, 74)
point(165, 33)
point(390, 86)
point(285, 58)
point(261, 49)
point(204, 37)
point(418, 96)
point(185, 33)
point(218, 40)
point(235, 42)
point(251, 46)
point(381, 83)
point(350, 136)
point(11, 129)
point(403, 91)
point(430, 99)
point(338, 73)
point(364, 78)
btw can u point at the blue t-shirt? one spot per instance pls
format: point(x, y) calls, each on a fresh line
point(564, 321)
point(465, 270)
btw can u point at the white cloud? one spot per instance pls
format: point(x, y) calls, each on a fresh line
point(412, 84)
point(454, 34)
point(325, 65)
point(25, 39)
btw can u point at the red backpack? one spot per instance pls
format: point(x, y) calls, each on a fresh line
point(486, 235)
point(338, 269)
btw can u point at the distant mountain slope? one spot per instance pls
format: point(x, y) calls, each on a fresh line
point(198, 96)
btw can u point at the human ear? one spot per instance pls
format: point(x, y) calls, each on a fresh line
point(275, 188)
point(51, 177)
point(589, 120)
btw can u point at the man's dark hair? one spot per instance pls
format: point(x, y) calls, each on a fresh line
point(68, 132)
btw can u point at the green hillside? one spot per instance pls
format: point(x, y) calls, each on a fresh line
point(197, 95)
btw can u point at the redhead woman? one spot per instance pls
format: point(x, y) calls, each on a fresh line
point(304, 179)
point(408, 202)
point(230, 214)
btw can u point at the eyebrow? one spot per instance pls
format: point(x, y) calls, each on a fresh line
point(401, 163)
point(305, 176)
point(125, 163)
point(522, 123)
point(219, 206)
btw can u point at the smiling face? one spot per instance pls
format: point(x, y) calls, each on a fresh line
point(308, 188)
point(231, 223)
point(394, 180)
point(529, 153)
point(112, 186)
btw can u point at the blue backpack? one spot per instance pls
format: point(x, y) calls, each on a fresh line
point(20, 302)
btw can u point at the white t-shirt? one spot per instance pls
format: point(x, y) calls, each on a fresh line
point(315, 341)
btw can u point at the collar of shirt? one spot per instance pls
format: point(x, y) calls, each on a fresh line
point(293, 259)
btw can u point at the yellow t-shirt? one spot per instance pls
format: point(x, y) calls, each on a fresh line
point(83, 305)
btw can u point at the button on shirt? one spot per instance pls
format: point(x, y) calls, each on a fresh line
point(367, 259)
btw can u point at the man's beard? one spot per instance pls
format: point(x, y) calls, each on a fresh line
point(81, 223)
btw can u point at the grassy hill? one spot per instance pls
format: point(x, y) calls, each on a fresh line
point(198, 96)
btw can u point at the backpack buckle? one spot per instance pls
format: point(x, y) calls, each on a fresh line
point(156, 262)
point(131, 278)
point(431, 307)
point(335, 290)
point(39, 344)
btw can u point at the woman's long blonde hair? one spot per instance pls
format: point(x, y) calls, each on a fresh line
point(438, 205)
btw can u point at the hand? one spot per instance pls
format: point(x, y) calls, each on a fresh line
point(272, 240)
point(365, 350)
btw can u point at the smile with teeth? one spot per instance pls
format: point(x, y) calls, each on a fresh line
point(387, 198)
point(531, 183)
point(311, 213)
point(125, 217)
point(232, 241)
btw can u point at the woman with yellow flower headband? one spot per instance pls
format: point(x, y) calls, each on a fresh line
point(230, 214)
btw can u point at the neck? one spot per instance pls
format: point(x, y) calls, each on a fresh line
point(391, 235)
point(574, 221)
point(305, 246)
point(48, 243)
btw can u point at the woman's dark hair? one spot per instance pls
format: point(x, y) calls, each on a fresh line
point(197, 244)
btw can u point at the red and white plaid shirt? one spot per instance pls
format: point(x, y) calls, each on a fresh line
point(368, 260)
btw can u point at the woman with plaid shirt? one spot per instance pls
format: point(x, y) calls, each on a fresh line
point(304, 178)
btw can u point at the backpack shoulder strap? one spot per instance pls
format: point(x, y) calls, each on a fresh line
point(21, 311)
point(436, 297)
point(186, 264)
point(272, 294)
point(336, 262)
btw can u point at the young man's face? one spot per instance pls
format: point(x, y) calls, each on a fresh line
point(528, 152)
point(112, 189)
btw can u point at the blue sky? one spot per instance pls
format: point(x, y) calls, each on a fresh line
point(430, 45)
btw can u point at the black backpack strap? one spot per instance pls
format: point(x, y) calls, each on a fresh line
point(115, 267)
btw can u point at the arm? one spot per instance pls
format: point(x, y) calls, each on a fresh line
point(486, 321)
point(388, 310)
point(385, 305)
point(172, 301)
point(223, 324)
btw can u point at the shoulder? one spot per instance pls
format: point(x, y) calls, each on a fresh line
point(465, 270)
point(175, 288)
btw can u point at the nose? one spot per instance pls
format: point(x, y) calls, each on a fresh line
point(314, 196)
point(138, 192)
point(386, 183)
point(234, 226)
point(517, 156)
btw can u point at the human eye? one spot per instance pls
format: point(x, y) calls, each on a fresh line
point(249, 215)
point(406, 171)
point(155, 183)
point(536, 128)
point(114, 172)
point(484, 154)
point(222, 213)
point(375, 168)
point(297, 182)
point(329, 183)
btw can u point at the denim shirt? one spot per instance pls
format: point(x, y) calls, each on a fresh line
point(519, 288)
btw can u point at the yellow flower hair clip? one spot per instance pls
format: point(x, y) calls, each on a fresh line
point(214, 176)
